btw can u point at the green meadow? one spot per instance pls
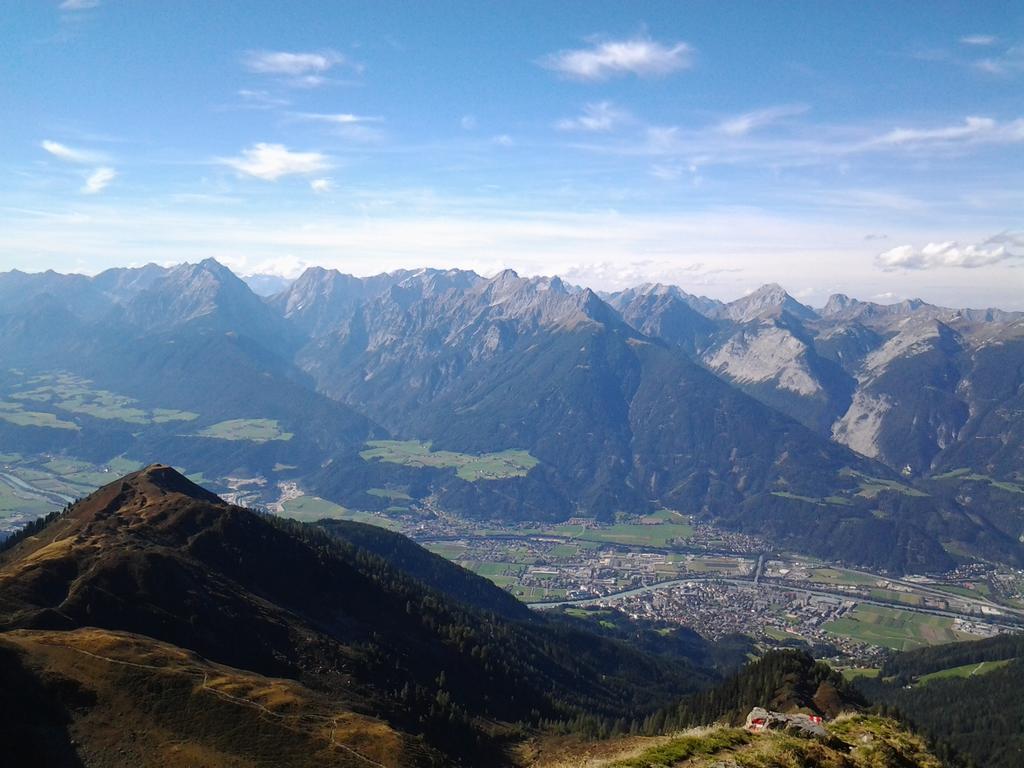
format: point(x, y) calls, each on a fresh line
point(487, 466)
point(254, 430)
point(894, 628)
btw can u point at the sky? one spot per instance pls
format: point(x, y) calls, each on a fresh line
point(869, 148)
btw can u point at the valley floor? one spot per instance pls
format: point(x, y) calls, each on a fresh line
point(665, 566)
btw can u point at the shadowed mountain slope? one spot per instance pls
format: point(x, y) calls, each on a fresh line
point(155, 555)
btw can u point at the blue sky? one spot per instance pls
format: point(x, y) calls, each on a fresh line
point(869, 148)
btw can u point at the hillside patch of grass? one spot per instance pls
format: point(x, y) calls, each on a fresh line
point(967, 670)
point(14, 414)
point(253, 430)
point(687, 747)
point(395, 494)
point(165, 415)
point(66, 392)
point(470, 467)
point(963, 473)
point(310, 509)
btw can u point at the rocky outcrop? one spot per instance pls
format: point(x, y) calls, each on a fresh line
point(761, 719)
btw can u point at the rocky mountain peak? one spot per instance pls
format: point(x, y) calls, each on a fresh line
point(771, 297)
point(837, 303)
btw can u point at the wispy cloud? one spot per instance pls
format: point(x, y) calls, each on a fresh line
point(98, 180)
point(259, 99)
point(948, 254)
point(799, 144)
point(294, 64)
point(597, 117)
point(977, 39)
point(299, 69)
point(972, 130)
point(321, 185)
point(359, 128)
point(340, 118)
point(1010, 62)
point(71, 154)
point(639, 56)
point(272, 161)
point(78, 5)
point(741, 125)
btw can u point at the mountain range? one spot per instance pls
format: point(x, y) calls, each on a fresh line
point(882, 435)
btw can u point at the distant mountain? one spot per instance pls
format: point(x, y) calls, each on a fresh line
point(762, 414)
point(267, 285)
point(123, 284)
point(860, 372)
point(618, 420)
point(769, 299)
point(207, 294)
point(666, 312)
point(152, 569)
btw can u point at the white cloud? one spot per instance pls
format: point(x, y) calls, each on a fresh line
point(972, 130)
point(321, 185)
point(667, 172)
point(341, 118)
point(640, 56)
point(272, 161)
point(597, 117)
point(468, 123)
point(98, 180)
point(947, 254)
point(291, 64)
point(979, 40)
point(78, 5)
point(259, 99)
point(1008, 63)
point(503, 140)
point(741, 125)
point(70, 154)
point(354, 127)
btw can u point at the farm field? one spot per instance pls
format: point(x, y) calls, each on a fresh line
point(658, 530)
point(872, 486)
point(444, 549)
point(394, 494)
point(16, 414)
point(254, 430)
point(76, 395)
point(841, 576)
point(309, 509)
point(894, 596)
point(487, 466)
point(627, 533)
point(980, 589)
point(895, 628)
point(711, 564)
